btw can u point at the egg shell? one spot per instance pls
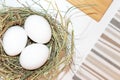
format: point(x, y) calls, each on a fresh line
point(38, 29)
point(14, 40)
point(34, 56)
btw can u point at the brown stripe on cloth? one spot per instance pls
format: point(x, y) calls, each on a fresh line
point(110, 40)
point(109, 46)
point(115, 23)
point(76, 78)
point(107, 60)
point(118, 16)
point(115, 28)
point(103, 62)
point(92, 71)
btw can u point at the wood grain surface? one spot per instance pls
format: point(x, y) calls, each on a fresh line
point(94, 8)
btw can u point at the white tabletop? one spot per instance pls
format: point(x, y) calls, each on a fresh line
point(87, 30)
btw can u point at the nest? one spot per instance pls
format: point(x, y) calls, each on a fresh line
point(61, 53)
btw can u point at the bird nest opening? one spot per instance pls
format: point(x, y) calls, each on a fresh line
point(61, 47)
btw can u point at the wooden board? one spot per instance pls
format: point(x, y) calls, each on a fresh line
point(94, 8)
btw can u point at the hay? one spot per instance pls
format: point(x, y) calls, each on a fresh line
point(61, 54)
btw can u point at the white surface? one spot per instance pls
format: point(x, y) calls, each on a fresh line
point(88, 39)
point(87, 31)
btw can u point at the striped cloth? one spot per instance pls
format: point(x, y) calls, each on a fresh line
point(103, 62)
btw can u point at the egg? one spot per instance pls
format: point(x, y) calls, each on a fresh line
point(14, 40)
point(34, 56)
point(38, 29)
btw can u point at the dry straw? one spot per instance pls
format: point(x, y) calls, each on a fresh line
point(61, 53)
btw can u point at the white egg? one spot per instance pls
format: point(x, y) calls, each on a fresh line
point(14, 40)
point(38, 29)
point(34, 56)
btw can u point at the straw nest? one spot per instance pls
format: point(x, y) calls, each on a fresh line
point(61, 53)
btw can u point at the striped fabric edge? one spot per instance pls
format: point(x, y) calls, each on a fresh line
point(103, 62)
